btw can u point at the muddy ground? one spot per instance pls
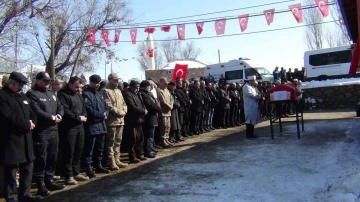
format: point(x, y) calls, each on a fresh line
point(324, 165)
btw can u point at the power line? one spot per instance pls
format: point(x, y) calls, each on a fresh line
point(247, 33)
point(202, 20)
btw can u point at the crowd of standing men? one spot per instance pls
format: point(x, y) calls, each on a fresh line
point(81, 124)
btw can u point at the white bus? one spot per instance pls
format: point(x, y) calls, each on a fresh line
point(329, 63)
point(237, 71)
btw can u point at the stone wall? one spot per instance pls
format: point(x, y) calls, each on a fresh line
point(167, 73)
point(335, 97)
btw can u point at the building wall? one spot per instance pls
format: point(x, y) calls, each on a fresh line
point(167, 73)
point(335, 97)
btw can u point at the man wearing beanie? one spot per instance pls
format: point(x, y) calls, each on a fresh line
point(134, 120)
point(115, 122)
point(95, 127)
point(151, 119)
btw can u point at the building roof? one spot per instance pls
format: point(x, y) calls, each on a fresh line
point(349, 12)
point(190, 63)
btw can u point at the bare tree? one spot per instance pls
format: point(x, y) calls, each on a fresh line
point(314, 31)
point(190, 51)
point(340, 35)
point(70, 23)
point(142, 59)
point(171, 49)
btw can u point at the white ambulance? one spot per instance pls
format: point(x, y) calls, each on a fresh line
point(237, 71)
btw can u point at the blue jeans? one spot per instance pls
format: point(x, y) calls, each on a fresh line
point(210, 117)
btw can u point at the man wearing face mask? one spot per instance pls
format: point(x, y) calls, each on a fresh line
point(49, 112)
point(16, 143)
point(71, 130)
point(95, 127)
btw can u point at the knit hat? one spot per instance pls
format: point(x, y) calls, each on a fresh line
point(144, 84)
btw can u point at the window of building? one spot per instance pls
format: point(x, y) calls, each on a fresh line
point(330, 58)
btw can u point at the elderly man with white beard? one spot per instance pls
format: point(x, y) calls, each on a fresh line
point(251, 106)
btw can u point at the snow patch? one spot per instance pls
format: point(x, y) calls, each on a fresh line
point(330, 82)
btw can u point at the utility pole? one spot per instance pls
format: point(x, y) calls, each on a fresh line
point(52, 54)
point(111, 68)
point(16, 47)
point(219, 55)
point(105, 68)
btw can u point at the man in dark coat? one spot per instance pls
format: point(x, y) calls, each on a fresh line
point(204, 116)
point(95, 126)
point(187, 110)
point(134, 120)
point(175, 122)
point(225, 105)
point(71, 130)
point(212, 104)
point(184, 102)
point(49, 112)
point(234, 105)
point(16, 143)
point(196, 107)
point(151, 118)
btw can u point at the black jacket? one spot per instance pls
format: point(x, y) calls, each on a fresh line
point(224, 99)
point(45, 105)
point(136, 109)
point(197, 99)
point(74, 107)
point(152, 106)
point(235, 96)
point(214, 100)
point(96, 109)
point(206, 97)
point(182, 99)
point(16, 143)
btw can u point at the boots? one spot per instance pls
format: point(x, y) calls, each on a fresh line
point(250, 131)
point(42, 190)
point(100, 169)
point(90, 171)
point(119, 163)
point(52, 186)
point(112, 164)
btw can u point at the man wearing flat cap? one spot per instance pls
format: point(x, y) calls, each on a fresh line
point(49, 112)
point(95, 126)
point(115, 122)
point(16, 143)
point(251, 107)
point(134, 121)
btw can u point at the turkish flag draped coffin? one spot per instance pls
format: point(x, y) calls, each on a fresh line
point(282, 87)
point(323, 6)
point(219, 24)
point(180, 71)
point(297, 12)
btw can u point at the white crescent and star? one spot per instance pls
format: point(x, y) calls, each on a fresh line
point(321, 5)
point(220, 24)
point(133, 34)
point(268, 14)
point(179, 70)
point(91, 35)
point(243, 21)
point(180, 30)
point(295, 10)
point(199, 25)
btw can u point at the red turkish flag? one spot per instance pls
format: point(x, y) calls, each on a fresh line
point(166, 28)
point(297, 12)
point(91, 36)
point(355, 59)
point(105, 34)
point(181, 31)
point(180, 71)
point(269, 15)
point(243, 22)
point(199, 27)
point(220, 26)
point(117, 35)
point(323, 6)
point(133, 33)
point(150, 30)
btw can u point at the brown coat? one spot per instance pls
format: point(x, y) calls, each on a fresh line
point(116, 105)
point(166, 102)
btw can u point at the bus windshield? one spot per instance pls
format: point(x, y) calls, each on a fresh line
point(262, 71)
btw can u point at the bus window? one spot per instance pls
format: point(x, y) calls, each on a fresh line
point(252, 72)
point(330, 58)
point(233, 75)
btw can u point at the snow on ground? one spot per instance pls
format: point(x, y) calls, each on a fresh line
point(330, 82)
point(322, 166)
